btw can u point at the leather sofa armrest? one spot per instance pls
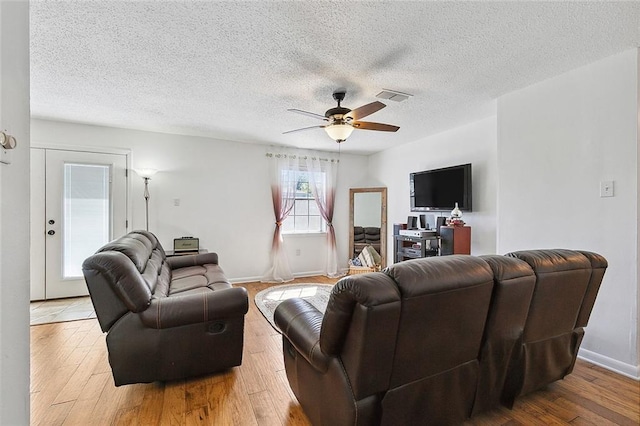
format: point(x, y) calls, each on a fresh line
point(300, 323)
point(195, 307)
point(192, 260)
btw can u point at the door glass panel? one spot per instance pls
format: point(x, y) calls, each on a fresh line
point(86, 214)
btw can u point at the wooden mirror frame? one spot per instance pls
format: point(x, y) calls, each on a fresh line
point(383, 219)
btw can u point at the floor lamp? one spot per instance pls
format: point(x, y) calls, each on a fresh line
point(146, 175)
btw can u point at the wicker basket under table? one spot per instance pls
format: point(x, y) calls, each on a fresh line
point(353, 270)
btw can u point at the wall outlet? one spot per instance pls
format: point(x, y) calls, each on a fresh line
point(176, 202)
point(297, 252)
point(606, 188)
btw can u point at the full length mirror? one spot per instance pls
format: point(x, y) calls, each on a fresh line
point(368, 221)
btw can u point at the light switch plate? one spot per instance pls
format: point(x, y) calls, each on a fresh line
point(606, 188)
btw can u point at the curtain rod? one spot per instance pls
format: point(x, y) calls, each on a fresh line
point(304, 157)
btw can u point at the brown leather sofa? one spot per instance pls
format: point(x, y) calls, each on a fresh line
point(165, 318)
point(365, 236)
point(436, 340)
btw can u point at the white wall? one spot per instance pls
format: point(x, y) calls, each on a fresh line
point(14, 215)
point(638, 231)
point(224, 194)
point(473, 143)
point(557, 140)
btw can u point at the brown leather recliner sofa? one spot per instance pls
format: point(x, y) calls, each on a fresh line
point(165, 318)
point(365, 236)
point(437, 340)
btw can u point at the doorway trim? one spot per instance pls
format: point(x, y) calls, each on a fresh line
point(37, 262)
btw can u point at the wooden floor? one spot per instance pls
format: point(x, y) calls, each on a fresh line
point(71, 384)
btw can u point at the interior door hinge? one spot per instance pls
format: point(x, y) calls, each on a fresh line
point(126, 172)
point(126, 225)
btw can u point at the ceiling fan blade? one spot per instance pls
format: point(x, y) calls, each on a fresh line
point(310, 114)
point(367, 125)
point(365, 110)
point(304, 128)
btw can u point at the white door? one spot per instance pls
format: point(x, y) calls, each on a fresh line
point(85, 204)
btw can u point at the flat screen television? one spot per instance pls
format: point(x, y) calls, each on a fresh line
point(441, 189)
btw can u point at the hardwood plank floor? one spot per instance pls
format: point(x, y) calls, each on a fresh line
point(71, 384)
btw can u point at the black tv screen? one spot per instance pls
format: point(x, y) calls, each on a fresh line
point(441, 189)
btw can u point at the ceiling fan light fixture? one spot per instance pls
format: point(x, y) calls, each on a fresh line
point(339, 132)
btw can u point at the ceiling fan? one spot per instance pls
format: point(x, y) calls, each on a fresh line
point(341, 121)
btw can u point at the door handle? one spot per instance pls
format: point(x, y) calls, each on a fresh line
point(51, 232)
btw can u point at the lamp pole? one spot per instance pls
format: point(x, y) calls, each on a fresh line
point(146, 201)
point(146, 175)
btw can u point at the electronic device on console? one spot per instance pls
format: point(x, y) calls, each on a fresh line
point(186, 245)
point(420, 233)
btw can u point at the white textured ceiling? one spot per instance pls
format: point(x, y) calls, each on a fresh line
point(230, 69)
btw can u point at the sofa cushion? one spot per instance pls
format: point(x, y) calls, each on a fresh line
point(197, 276)
point(562, 280)
point(121, 275)
point(599, 266)
point(153, 270)
point(552, 334)
point(365, 310)
point(514, 281)
point(164, 280)
point(453, 291)
point(189, 282)
point(137, 250)
point(189, 271)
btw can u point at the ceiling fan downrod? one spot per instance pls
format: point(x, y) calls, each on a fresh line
point(339, 96)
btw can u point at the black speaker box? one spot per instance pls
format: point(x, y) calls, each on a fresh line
point(412, 222)
point(440, 221)
point(423, 222)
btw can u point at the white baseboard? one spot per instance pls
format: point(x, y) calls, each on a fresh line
point(628, 370)
point(308, 274)
point(243, 280)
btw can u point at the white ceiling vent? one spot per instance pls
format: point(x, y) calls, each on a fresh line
point(392, 95)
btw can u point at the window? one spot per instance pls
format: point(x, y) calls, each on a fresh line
point(305, 216)
point(87, 207)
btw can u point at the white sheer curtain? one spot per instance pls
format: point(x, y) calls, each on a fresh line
point(283, 190)
point(323, 172)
